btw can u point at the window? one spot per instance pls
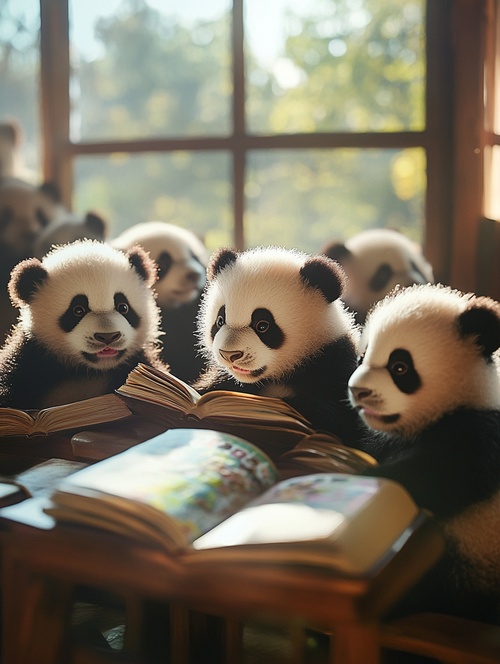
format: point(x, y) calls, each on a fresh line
point(309, 128)
point(19, 78)
point(257, 122)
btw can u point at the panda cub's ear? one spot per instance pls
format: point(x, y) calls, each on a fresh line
point(25, 280)
point(481, 320)
point(324, 274)
point(96, 225)
point(337, 251)
point(143, 264)
point(219, 260)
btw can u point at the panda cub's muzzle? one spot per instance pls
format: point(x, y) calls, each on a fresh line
point(235, 360)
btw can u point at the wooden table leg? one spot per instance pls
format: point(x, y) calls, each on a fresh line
point(44, 616)
point(355, 644)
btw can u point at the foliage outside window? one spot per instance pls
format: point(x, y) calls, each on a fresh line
point(331, 135)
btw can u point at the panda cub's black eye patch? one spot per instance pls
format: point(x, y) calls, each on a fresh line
point(381, 277)
point(266, 328)
point(78, 308)
point(402, 370)
point(122, 306)
point(220, 321)
point(42, 217)
point(164, 262)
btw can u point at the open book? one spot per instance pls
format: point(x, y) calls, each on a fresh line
point(85, 413)
point(323, 452)
point(209, 497)
point(167, 399)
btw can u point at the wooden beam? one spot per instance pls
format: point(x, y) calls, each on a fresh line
point(55, 100)
point(469, 29)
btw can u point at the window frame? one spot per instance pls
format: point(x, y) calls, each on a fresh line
point(453, 137)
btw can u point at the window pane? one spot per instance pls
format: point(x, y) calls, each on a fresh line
point(335, 65)
point(155, 68)
point(305, 198)
point(19, 72)
point(189, 189)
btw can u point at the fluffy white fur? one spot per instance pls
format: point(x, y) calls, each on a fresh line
point(268, 277)
point(99, 271)
point(422, 319)
point(87, 316)
point(180, 255)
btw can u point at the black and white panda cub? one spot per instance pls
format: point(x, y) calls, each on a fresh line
point(428, 389)
point(375, 262)
point(88, 315)
point(271, 323)
point(182, 260)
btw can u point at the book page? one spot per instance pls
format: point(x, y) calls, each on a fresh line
point(13, 421)
point(326, 453)
point(147, 383)
point(223, 404)
point(96, 410)
point(340, 521)
point(195, 477)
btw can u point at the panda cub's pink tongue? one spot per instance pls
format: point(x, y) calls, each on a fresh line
point(107, 352)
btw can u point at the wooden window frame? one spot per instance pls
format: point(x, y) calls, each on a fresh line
point(453, 138)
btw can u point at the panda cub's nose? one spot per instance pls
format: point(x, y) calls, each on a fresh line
point(231, 355)
point(107, 337)
point(360, 393)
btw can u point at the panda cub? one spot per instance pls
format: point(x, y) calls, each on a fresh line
point(271, 323)
point(66, 228)
point(375, 261)
point(25, 210)
point(180, 255)
point(428, 390)
point(87, 316)
point(182, 260)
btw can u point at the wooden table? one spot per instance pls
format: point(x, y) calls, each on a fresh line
point(41, 569)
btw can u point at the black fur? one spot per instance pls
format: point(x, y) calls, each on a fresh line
point(266, 328)
point(26, 278)
point(449, 465)
point(403, 372)
point(180, 346)
point(24, 362)
point(144, 267)
point(324, 274)
point(452, 464)
point(482, 322)
point(219, 260)
point(319, 386)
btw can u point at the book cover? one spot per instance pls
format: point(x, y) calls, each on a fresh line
point(208, 497)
